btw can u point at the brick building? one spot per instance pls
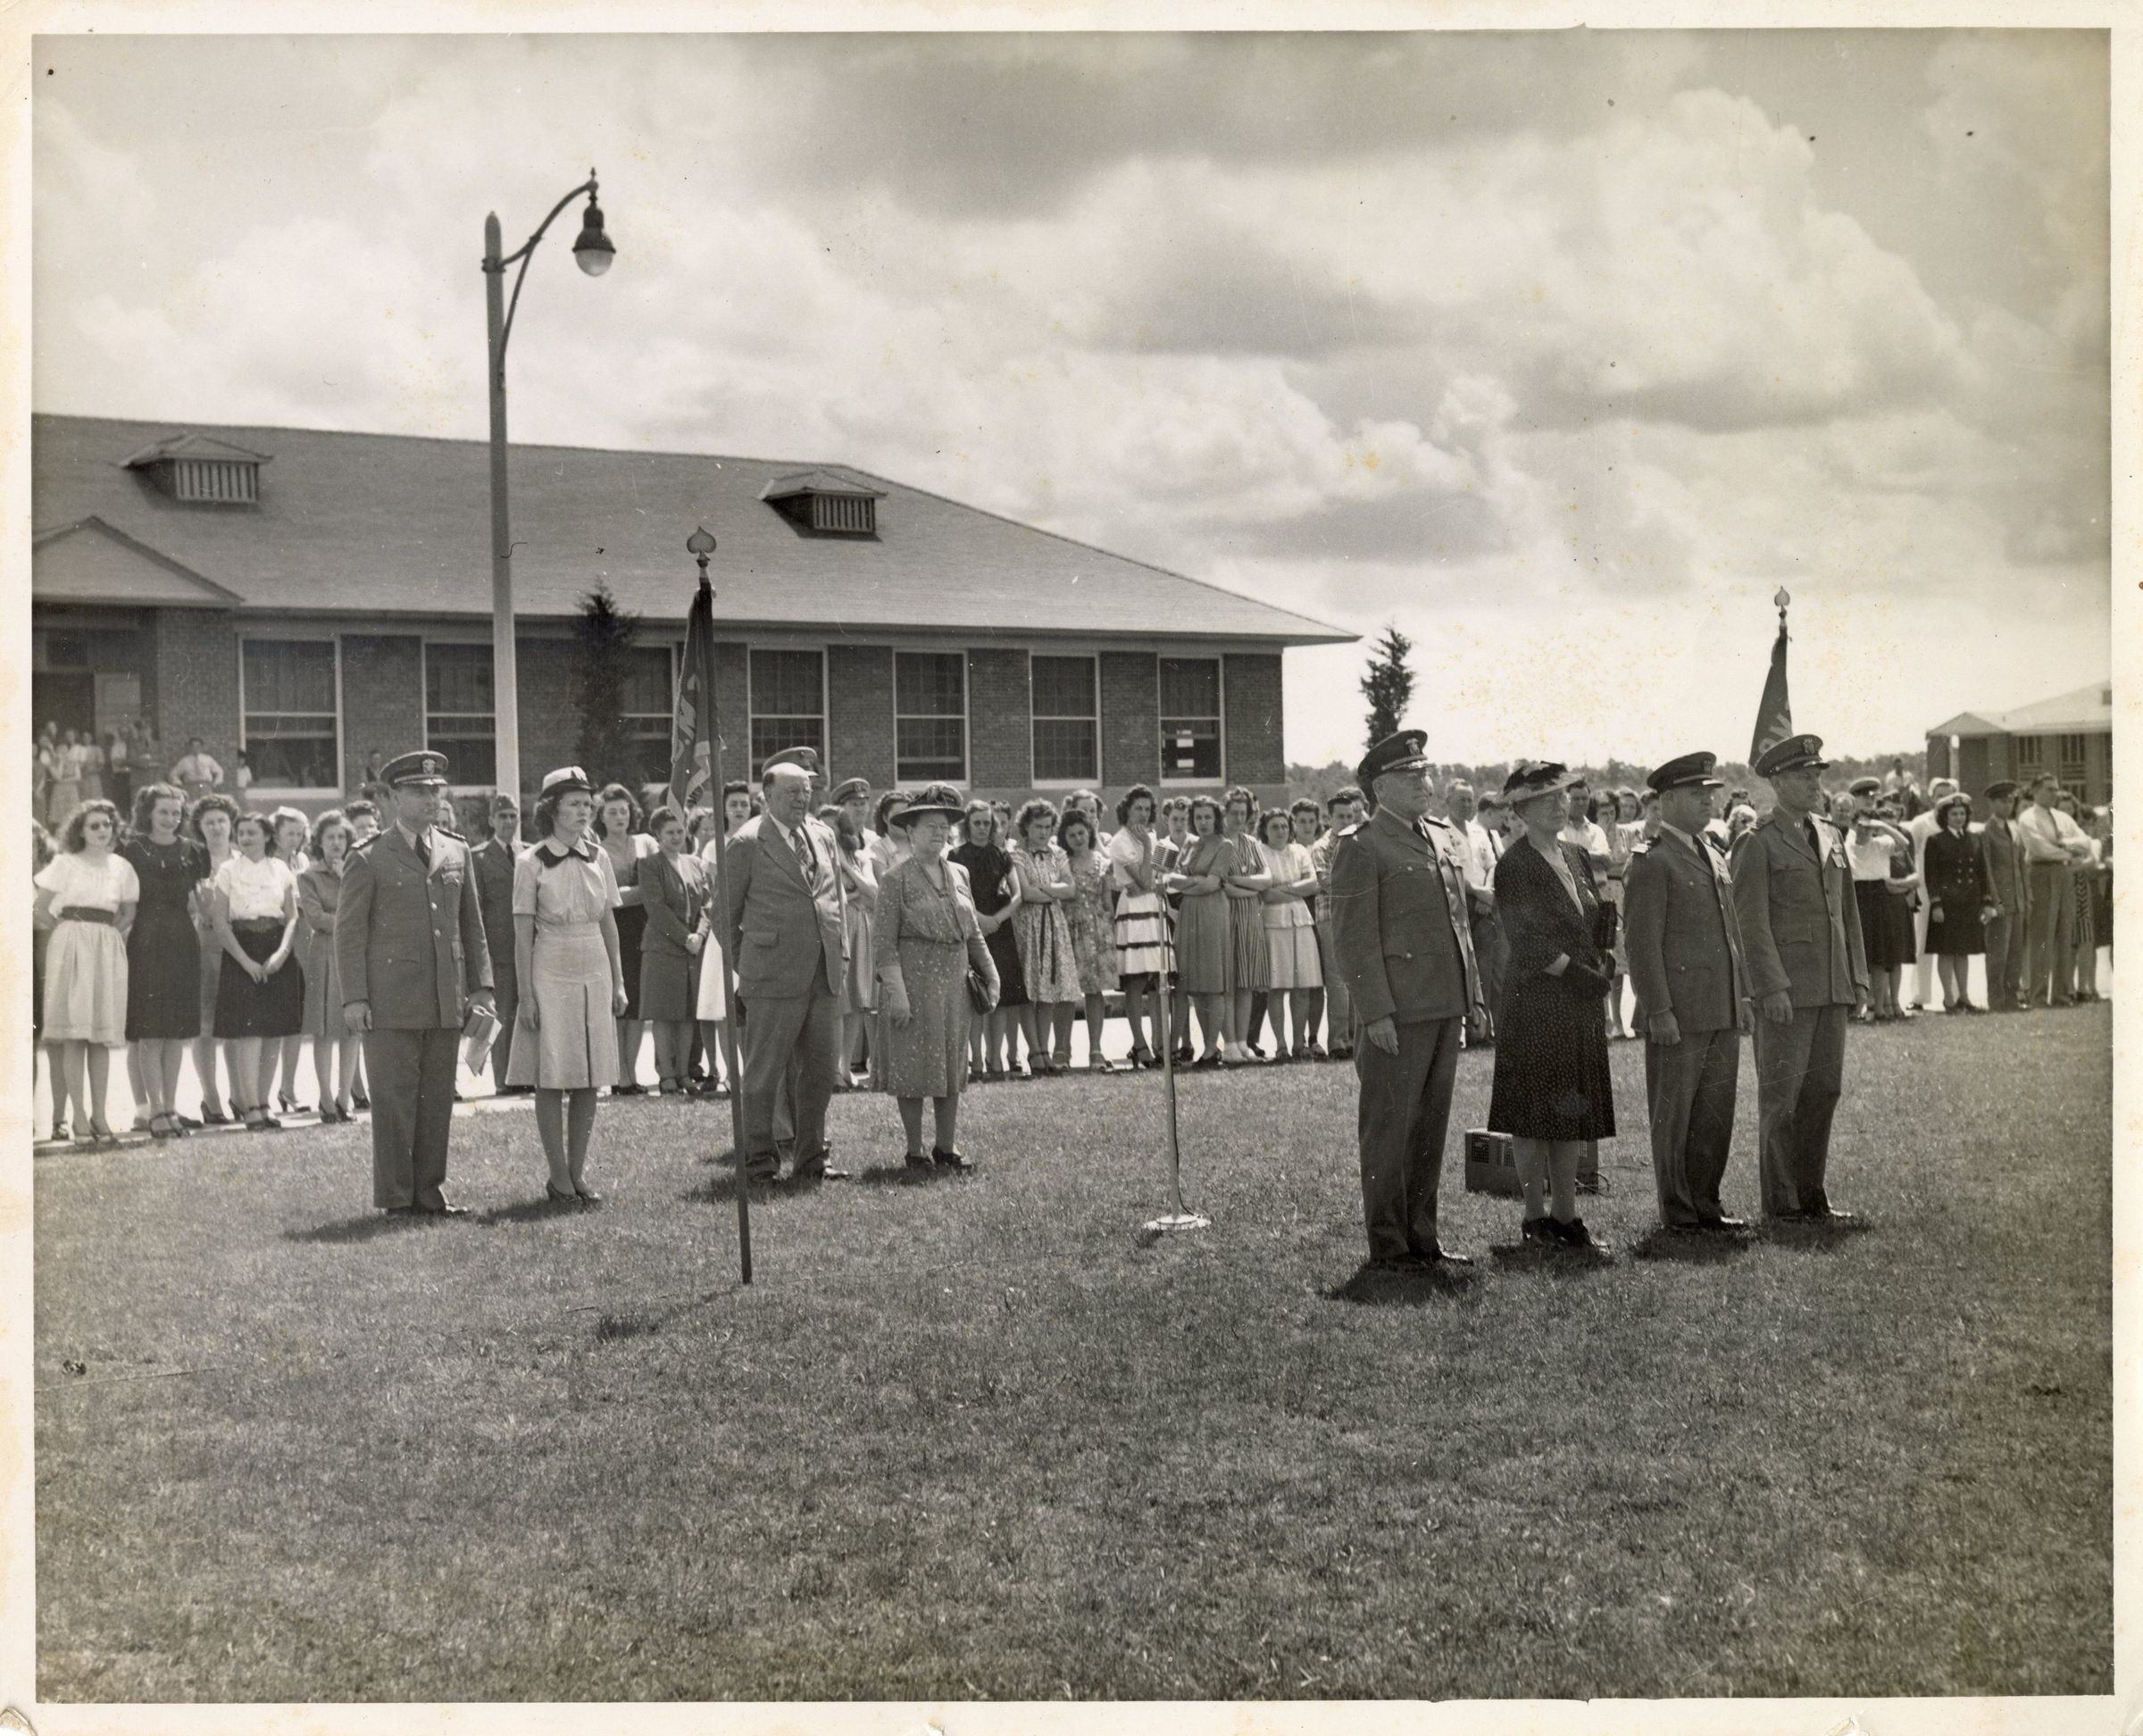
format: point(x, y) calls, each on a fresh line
point(311, 597)
point(2070, 734)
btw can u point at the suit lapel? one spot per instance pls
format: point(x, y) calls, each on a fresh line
point(1796, 836)
point(778, 847)
point(1409, 835)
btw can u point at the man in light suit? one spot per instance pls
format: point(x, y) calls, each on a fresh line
point(409, 943)
point(1807, 972)
point(783, 886)
point(1684, 944)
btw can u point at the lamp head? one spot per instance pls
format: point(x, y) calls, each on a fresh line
point(592, 249)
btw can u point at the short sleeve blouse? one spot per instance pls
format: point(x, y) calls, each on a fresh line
point(77, 883)
point(1123, 853)
point(558, 890)
point(257, 891)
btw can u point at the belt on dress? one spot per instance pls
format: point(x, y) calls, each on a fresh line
point(256, 925)
point(562, 926)
point(86, 914)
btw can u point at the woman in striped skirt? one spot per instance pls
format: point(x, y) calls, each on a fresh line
point(1144, 958)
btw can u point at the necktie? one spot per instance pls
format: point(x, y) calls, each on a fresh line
point(423, 848)
point(807, 859)
point(1816, 841)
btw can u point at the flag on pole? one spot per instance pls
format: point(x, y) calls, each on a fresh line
point(692, 726)
point(1774, 715)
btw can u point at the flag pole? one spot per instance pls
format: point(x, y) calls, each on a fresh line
point(701, 546)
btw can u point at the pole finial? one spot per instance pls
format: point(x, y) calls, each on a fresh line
point(700, 546)
point(1782, 599)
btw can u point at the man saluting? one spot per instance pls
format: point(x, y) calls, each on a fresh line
point(1692, 995)
point(1404, 944)
point(1800, 933)
point(409, 942)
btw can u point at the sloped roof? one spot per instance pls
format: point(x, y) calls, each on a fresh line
point(194, 446)
point(386, 524)
point(2078, 713)
point(1967, 723)
point(89, 562)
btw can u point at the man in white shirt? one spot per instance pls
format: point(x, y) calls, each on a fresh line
point(1920, 828)
point(1484, 850)
point(2051, 841)
point(1581, 830)
point(197, 772)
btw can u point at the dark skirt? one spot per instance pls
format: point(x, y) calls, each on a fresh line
point(1886, 925)
point(669, 987)
point(1004, 945)
point(632, 923)
point(246, 1008)
point(1552, 1080)
point(1956, 931)
point(163, 978)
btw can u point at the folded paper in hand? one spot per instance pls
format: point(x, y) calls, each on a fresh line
point(478, 1030)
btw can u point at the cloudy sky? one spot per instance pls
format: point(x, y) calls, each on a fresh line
point(1562, 352)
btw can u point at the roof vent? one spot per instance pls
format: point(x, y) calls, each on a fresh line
point(195, 469)
point(822, 503)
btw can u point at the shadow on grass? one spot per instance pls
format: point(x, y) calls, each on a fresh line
point(358, 1229)
point(531, 1210)
point(1407, 1287)
point(1521, 1257)
point(1812, 1238)
point(897, 1175)
point(1690, 1247)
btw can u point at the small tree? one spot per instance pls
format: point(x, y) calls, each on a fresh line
point(1388, 685)
point(604, 633)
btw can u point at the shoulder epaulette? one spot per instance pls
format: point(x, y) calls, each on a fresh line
point(457, 837)
point(363, 844)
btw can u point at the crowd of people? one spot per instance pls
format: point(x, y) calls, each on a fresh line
point(926, 942)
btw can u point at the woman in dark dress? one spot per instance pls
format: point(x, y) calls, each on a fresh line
point(164, 949)
point(1551, 1092)
point(996, 894)
point(1959, 901)
point(619, 818)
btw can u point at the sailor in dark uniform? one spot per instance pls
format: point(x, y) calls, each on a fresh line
point(1402, 940)
point(409, 942)
point(1807, 972)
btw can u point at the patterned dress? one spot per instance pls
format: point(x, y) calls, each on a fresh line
point(1046, 959)
point(1204, 946)
point(1252, 967)
point(1142, 940)
point(1093, 924)
point(1290, 929)
point(924, 941)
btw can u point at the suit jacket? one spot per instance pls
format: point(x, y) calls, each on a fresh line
point(2004, 855)
point(1684, 938)
point(408, 939)
point(1401, 934)
point(1800, 924)
point(778, 931)
point(671, 897)
point(493, 863)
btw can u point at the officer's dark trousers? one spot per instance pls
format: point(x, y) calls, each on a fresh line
point(2007, 946)
point(2052, 969)
point(1800, 1069)
point(792, 1043)
point(1405, 1105)
point(411, 1074)
point(1690, 1088)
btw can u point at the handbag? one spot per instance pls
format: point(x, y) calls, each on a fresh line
point(1606, 919)
point(978, 991)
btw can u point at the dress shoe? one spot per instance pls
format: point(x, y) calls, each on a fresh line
point(1720, 1225)
point(566, 1196)
point(1441, 1256)
point(1575, 1236)
point(361, 1099)
point(1540, 1229)
point(1828, 1213)
point(588, 1196)
point(1341, 1052)
point(920, 1160)
point(950, 1160)
point(445, 1209)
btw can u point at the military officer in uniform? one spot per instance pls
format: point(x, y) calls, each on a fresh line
point(1684, 943)
point(494, 859)
point(1402, 937)
point(1800, 936)
point(409, 942)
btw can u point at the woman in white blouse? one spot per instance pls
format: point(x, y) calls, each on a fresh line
point(86, 896)
point(261, 998)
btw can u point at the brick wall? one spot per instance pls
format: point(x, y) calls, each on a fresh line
point(196, 682)
point(859, 705)
point(1254, 752)
point(1000, 722)
point(548, 673)
point(382, 699)
point(1130, 719)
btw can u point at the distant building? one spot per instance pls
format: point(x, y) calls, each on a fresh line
point(309, 597)
point(2071, 735)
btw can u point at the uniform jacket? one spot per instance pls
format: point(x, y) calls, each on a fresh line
point(1401, 935)
point(777, 933)
point(1956, 877)
point(410, 940)
point(493, 863)
point(1800, 925)
point(1683, 936)
point(2004, 855)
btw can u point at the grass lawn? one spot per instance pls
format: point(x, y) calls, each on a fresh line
point(983, 1438)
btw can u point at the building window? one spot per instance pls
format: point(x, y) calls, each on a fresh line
point(645, 710)
point(289, 689)
point(788, 704)
point(2030, 754)
point(460, 718)
point(2075, 760)
point(929, 717)
point(1067, 720)
point(1190, 720)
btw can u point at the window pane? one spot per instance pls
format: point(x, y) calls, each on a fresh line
point(457, 678)
point(471, 748)
point(788, 684)
point(285, 675)
point(770, 734)
point(292, 761)
point(930, 749)
point(1189, 748)
point(647, 681)
point(930, 684)
point(1065, 751)
point(1063, 686)
point(1190, 687)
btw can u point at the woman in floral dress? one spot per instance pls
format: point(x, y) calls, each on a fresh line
point(1093, 924)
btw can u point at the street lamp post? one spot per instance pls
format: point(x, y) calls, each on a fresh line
point(593, 252)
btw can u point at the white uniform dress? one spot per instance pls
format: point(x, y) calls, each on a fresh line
point(86, 961)
point(575, 1045)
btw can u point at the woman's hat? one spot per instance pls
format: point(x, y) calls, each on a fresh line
point(565, 780)
point(1956, 798)
point(1531, 777)
point(932, 799)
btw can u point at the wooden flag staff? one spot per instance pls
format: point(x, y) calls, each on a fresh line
point(700, 545)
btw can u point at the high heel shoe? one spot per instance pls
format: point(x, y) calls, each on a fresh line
point(588, 1196)
point(552, 1193)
